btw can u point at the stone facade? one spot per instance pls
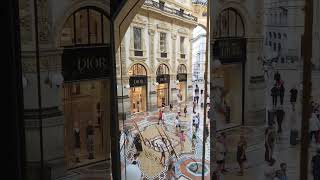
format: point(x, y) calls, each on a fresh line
point(152, 21)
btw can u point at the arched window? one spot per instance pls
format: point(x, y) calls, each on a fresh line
point(162, 69)
point(279, 47)
point(279, 36)
point(285, 36)
point(87, 25)
point(230, 24)
point(137, 70)
point(182, 69)
point(270, 35)
point(274, 35)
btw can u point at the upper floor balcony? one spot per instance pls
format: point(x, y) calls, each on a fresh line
point(177, 12)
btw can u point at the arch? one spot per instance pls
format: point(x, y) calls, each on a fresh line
point(73, 7)
point(279, 36)
point(137, 69)
point(162, 69)
point(182, 69)
point(141, 63)
point(230, 23)
point(242, 11)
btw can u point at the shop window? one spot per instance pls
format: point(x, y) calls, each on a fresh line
point(182, 51)
point(85, 26)
point(137, 41)
point(163, 44)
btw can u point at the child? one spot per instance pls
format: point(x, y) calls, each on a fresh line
point(185, 111)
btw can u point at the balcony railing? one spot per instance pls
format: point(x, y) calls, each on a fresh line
point(167, 9)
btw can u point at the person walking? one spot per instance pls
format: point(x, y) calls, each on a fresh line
point(270, 138)
point(163, 156)
point(314, 127)
point(196, 122)
point(280, 116)
point(315, 164)
point(194, 106)
point(281, 93)
point(182, 139)
point(160, 116)
point(274, 95)
point(196, 92)
point(241, 154)
point(177, 124)
point(293, 97)
point(185, 110)
point(171, 167)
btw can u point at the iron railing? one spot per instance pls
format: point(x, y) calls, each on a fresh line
point(161, 7)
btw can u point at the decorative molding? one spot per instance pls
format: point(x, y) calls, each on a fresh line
point(163, 26)
point(138, 59)
point(163, 60)
point(173, 36)
point(151, 49)
point(183, 31)
point(140, 20)
point(151, 32)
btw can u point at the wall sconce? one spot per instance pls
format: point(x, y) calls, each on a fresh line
point(177, 81)
point(127, 86)
point(24, 81)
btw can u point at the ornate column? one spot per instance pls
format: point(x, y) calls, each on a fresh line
point(174, 53)
point(151, 50)
point(189, 71)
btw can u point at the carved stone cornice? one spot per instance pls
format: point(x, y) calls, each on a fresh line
point(137, 59)
point(163, 60)
point(163, 26)
point(183, 31)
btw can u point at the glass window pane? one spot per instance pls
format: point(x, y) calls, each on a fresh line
point(106, 30)
point(95, 27)
point(137, 38)
point(232, 23)
point(67, 33)
point(163, 37)
point(82, 27)
point(240, 27)
point(182, 45)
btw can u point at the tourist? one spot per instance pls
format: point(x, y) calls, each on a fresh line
point(194, 138)
point(194, 106)
point(171, 167)
point(241, 154)
point(137, 143)
point(177, 124)
point(182, 140)
point(316, 165)
point(293, 97)
point(171, 107)
point(281, 93)
point(160, 116)
point(270, 139)
point(163, 155)
point(269, 172)
point(314, 127)
point(195, 121)
point(196, 92)
point(280, 116)
point(185, 110)
point(274, 94)
point(282, 173)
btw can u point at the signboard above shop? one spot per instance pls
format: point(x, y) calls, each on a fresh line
point(86, 63)
point(136, 81)
point(182, 77)
point(163, 78)
point(229, 50)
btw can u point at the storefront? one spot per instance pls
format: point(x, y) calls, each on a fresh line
point(138, 82)
point(182, 82)
point(228, 81)
point(163, 85)
point(86, 87)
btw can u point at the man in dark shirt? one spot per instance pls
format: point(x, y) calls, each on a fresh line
point(90, 140)
point(280, 116)
point(274, 94)
point(277, 76)
point(196, 92)
point(281, 93)
point(293, 97)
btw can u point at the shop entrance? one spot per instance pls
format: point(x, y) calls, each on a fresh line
point(86, 111)
point(163, 85)
point(85, 39)
point(182, 81)
point(138, 82)
point(138, 99)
